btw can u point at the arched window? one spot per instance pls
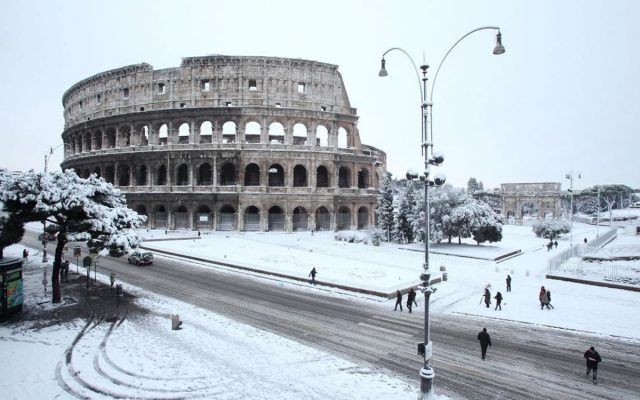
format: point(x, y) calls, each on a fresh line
point(229, 132)
point(252, 175)
point(111, 138)
point(205, 175)
point(276, 219)
point(85, 173)
point(344, 177)
point(252, 219)
point(97, 172)
point(363, 218)
point(161, 176)
point(204, 218)
point(322, 136)
point(228, 175)
point(322, 177)
point(141, 176)
point(181, 218)
point(252, 132)
point(110, 174)
point(323, 219)
point(363, 179)
point(206, 132)
point(144, 136)
point(87, 142)
point(343, 140)
point(98, 139)
point(343, 220)
point(276, 175)
point(182, 175)
point(299, 176)
point(160, 217)
point(300, 134)
point(276, 133)
point(163, 134)
point(183, 133)
point(125, 137)
point(227, 218)
point(300, 219)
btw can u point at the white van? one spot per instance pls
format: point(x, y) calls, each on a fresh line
point(635, 205)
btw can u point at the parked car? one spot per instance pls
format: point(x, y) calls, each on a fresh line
point(140, 258)
point(50, 237)
point(117, 251)
point(95, 245)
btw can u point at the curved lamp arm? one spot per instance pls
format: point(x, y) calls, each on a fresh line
point(415, 68)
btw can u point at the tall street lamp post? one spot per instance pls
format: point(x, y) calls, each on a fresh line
point(47, 156)
point(569, 176)
point(427, 374)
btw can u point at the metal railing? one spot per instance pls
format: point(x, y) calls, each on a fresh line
point(580, 249)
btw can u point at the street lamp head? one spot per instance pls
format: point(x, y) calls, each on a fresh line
point(436, 159)
point(383, 70)
point(412, 174)
point(439, 179)
point(499, 49)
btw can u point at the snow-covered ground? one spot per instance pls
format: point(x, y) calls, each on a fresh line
point(139, 357)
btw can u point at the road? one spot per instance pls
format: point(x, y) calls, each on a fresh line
point(525, 361)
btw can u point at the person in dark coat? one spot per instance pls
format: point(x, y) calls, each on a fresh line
point(312, 274)
point(485, 341)
point(555, 244)
point(508, 283)
point(548, 303)
point(542, 296)
point(25, 254)
point(550, 245)
point(487, 296)
point(398, 300)
point(498, 300)
point(411, 299)
point(593, 358)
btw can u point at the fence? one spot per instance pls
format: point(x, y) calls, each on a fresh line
point(579, 249)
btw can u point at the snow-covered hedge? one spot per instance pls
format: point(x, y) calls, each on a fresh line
point(551, 228)
point(365, 237)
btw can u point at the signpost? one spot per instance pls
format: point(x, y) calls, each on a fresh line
point(86, 262)
point(77, 252)
point(94, 257)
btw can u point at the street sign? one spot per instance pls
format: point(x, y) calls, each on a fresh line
point(94, 256)
point(77, 251)
point(86, 262)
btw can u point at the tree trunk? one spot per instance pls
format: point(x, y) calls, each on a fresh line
point(1, 252)
point(57, 263)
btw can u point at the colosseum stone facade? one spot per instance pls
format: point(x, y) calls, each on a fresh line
point(226, 143)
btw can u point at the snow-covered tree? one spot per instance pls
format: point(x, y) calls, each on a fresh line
point(551, 228)
point(384, 212)
point(403, 231)
point(487, 226)
point(11, 226)
point(493, 197)
point(472, 186)
point(79, 207)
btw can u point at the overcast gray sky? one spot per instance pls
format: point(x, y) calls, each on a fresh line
point(565, 96)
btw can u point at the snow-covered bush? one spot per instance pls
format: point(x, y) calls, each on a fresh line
point(377, 236)
point(551, 228)
point(352, 236)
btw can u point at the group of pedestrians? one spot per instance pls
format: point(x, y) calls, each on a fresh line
point(552, 244)
point(498, 297)
point(411, 300)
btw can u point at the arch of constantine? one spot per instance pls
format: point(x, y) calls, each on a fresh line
point(531, 199)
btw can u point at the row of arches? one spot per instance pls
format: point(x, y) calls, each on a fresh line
point(207, 131)
point(255, 218)
point(229, 174)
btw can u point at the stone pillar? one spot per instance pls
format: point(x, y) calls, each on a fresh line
point(288, 134)
point(214, 171)
point(192, 132)
point(354, 175)
point(116, 178)
point(312, 219)
point(196, 133)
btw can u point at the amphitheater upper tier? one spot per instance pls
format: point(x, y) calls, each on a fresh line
point(226, 142)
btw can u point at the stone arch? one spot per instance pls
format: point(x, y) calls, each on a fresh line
point(252, 175)
point(205, 174)
point(182, 175)
point(343, 218)
point(160, 217)
point(322, 136)
point(204, 218)
point(322, 176)
point(300, 134)
point(344, 177)
point(144, 133)
point(252, 132)
point(85, 173)
point(141, 175)
point(343, 138)
point(124, 132)
point(227, 218)
point(323, 219)
point(229, 132)
point(181, 217)
point(163, 134)
point(206, 132)
point(299, 176)
point(363, 179)
point(228, 174)
point(276, 175)
point(86, 141)
point(251, 218)
point(161, 175)
point(111, 138)
point(276, 133)
point(300, 219)
point(363, 217)
point(98, 139)
point(110, 174)
point(276, 219)
point(184, 132)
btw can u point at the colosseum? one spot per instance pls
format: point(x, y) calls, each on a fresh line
point(226, 143)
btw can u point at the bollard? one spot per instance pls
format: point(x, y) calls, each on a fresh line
point(175, 322)
point(443, 268)
point(118, 290)
point(444, 277)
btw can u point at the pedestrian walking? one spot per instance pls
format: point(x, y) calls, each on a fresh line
point(508, 283)
point(498, 300)
point(112, 278)
point(312, 274)
point(487, 297)
point(550, 245)
point(485, 341)
point(411, 299)
point(542, 296)
point(548, 302)
point(555, 244)
point(593, 358)
point(585, 240)
point(398, 300)
point(25, 254)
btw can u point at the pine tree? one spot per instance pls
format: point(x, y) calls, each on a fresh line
point(384, 212)
point(403, 231)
